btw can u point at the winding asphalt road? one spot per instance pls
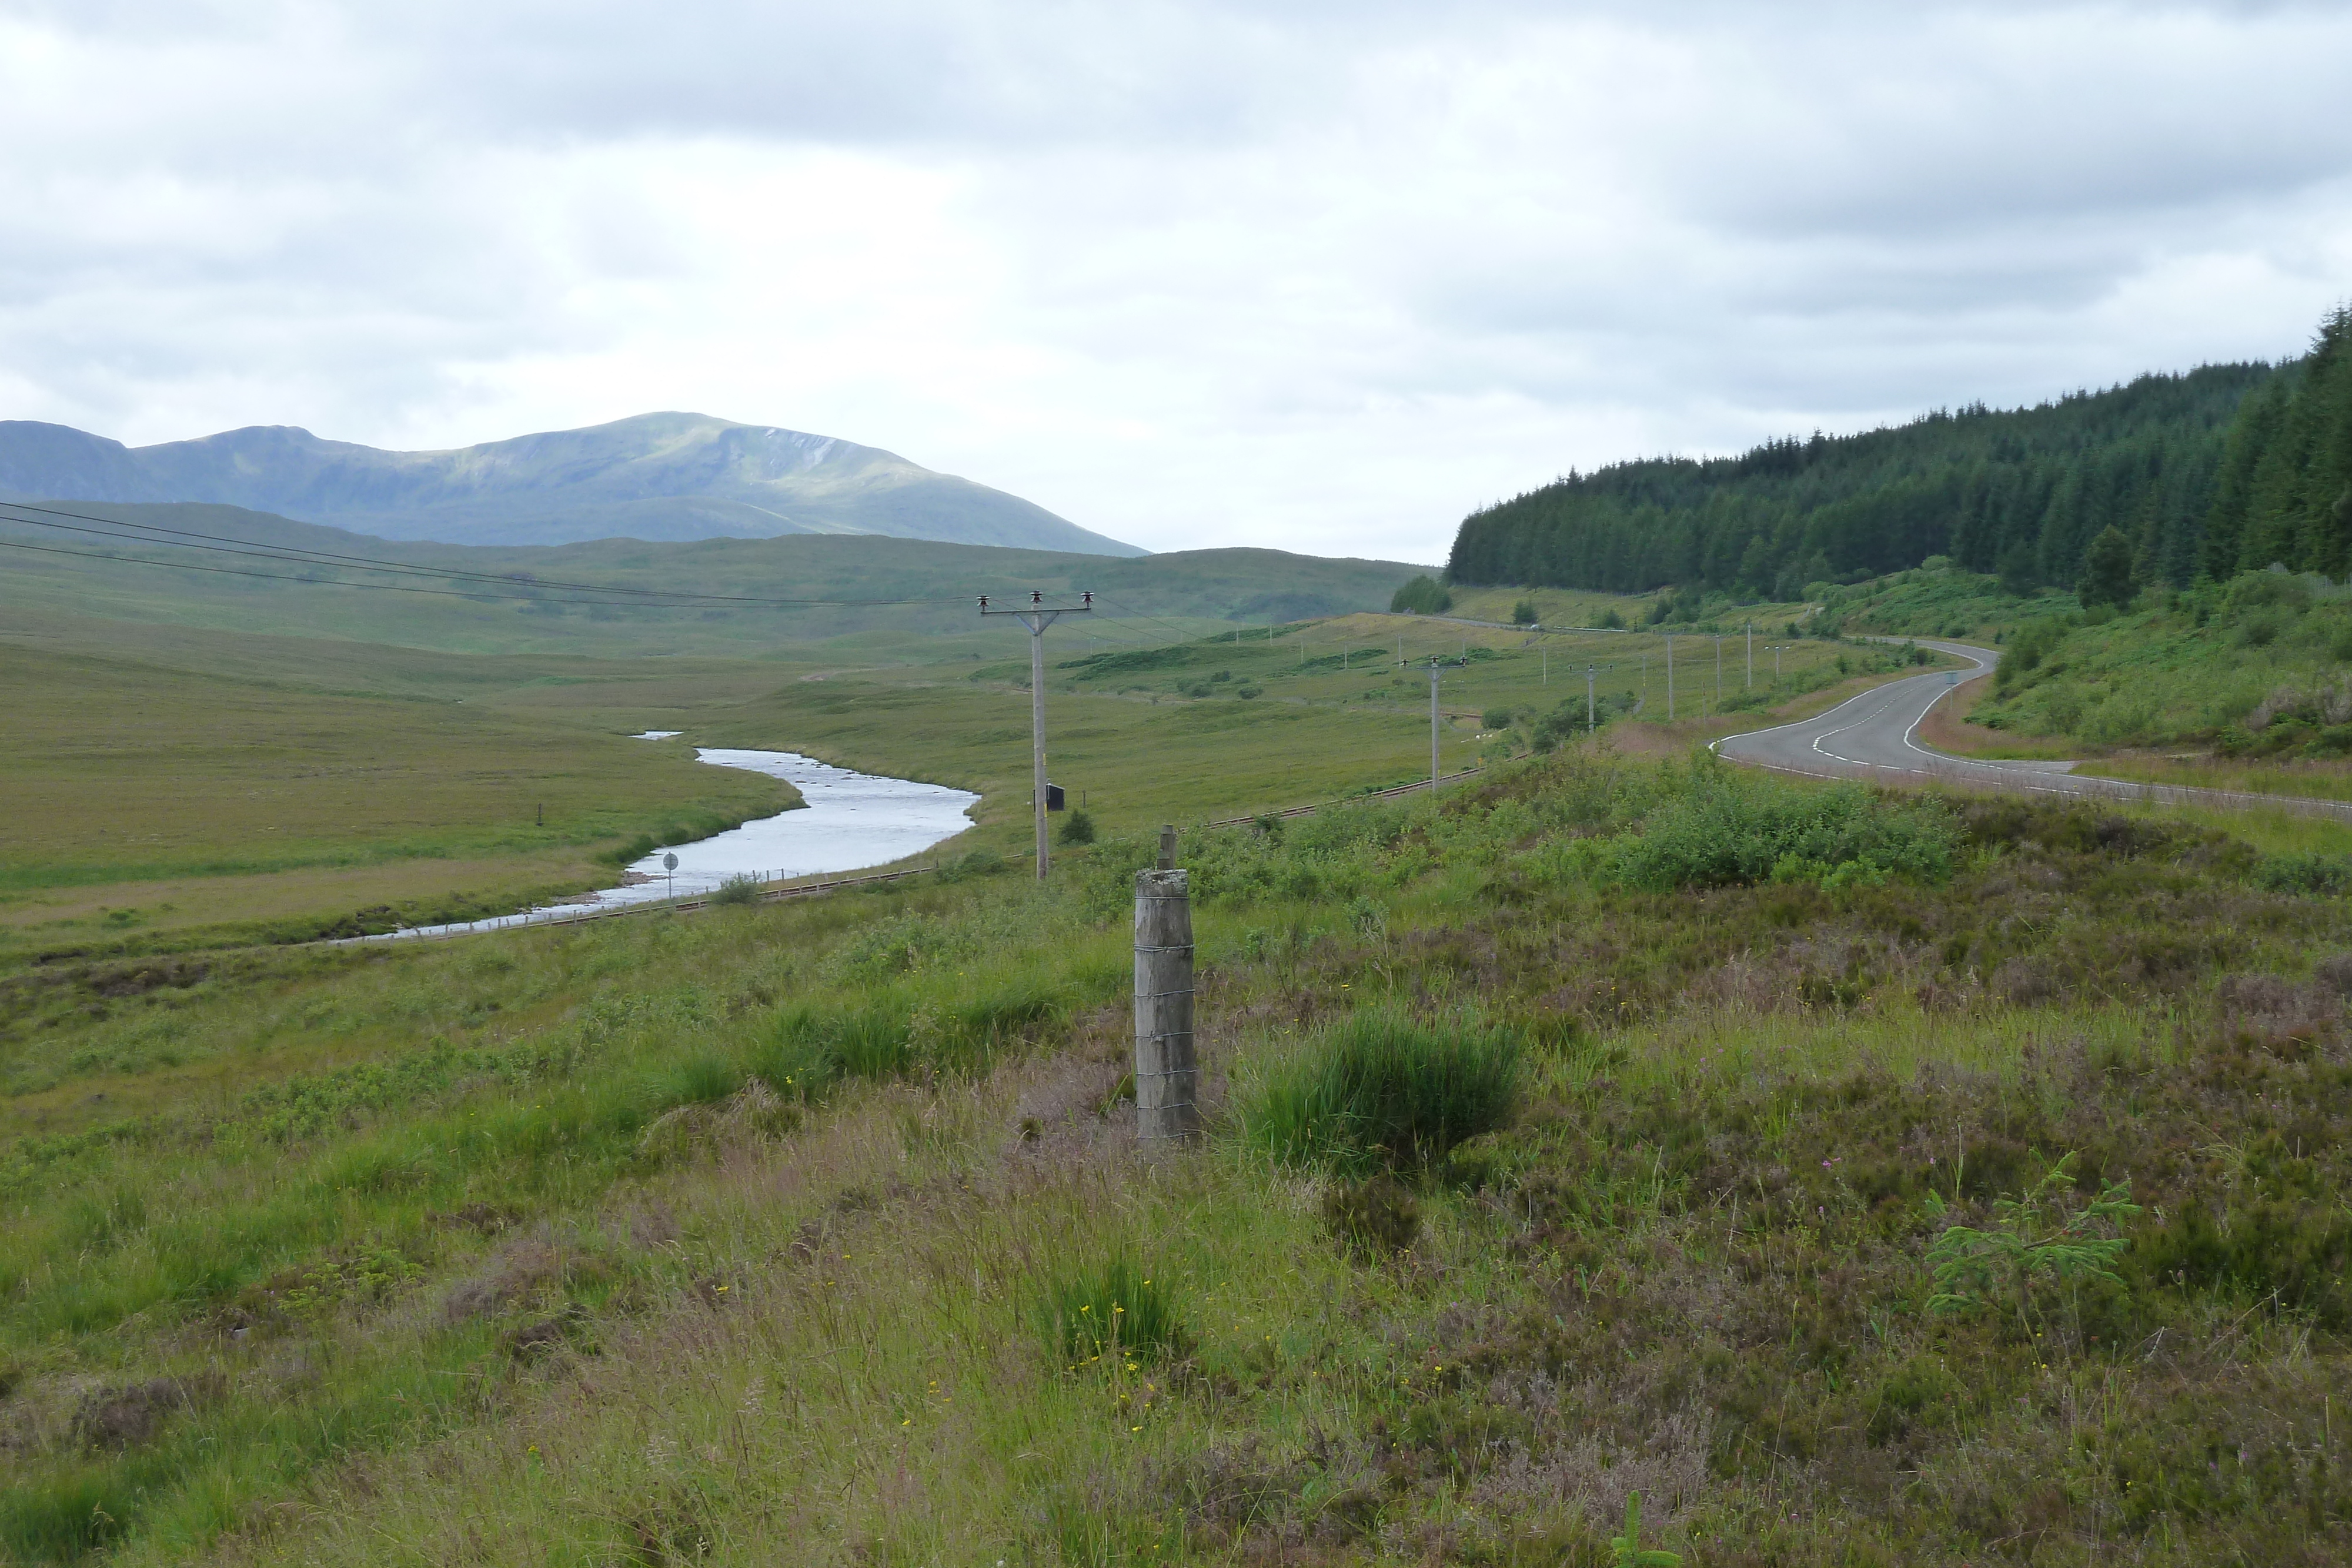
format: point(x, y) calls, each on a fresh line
point(1877, 735)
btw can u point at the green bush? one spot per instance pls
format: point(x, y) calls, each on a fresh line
point(740, 892)
point(1729, 829)
point(1380, 1088)
point(1523, 614)
point(1078, 828)
point(1110, 1312)
point(2306, 871)
point(978, 862)
point(1424, 595)
point(1611, 621)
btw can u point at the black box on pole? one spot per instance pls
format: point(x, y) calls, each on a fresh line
point(1055, 798)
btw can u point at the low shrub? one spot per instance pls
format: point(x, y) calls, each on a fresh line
point(1380, 1088)
point(2304, 871)
point(1116, 1310)
point(1728, 831)
point(979, 863)
point(737, 892)
point(1078, 828)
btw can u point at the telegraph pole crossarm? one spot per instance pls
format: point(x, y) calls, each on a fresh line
point(1037, 615)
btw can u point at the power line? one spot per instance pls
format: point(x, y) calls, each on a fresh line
point(1180, 632)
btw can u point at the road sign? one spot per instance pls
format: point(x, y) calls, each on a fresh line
point(669, 863)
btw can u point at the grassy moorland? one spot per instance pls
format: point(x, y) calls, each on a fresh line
point(179, 787)
point(898, 595)
point(1859, 1179)
point(155, 804)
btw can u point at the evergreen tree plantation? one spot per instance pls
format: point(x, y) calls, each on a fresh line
point(2212, 472)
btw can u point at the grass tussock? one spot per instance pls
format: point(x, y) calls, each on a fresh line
point(1118, 1313)
point(1380, 1087)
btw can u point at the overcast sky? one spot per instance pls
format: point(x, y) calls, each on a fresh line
point(1316, 275)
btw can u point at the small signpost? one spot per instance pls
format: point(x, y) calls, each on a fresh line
point(669, 865)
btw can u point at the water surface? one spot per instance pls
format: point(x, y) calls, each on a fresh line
point(852, 821)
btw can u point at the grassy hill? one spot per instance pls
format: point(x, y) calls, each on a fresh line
point(520, 612)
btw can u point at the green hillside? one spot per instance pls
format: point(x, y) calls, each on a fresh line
point(523, 610)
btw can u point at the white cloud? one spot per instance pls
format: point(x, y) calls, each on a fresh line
point(1319, 274)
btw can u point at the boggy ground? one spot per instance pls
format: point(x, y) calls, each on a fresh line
point(738, 1240)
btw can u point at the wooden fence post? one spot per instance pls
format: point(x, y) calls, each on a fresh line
point(1166, 1076)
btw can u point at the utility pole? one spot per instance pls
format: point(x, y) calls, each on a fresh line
point(1774, 650)
point(1591, 722)
point(1670, 678)
point(1432, 723)
point(1751, 655)
point(1037, 617)
point(1719, 672)
point(1544, 655)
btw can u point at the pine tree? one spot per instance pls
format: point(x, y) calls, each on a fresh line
point(2107, 570)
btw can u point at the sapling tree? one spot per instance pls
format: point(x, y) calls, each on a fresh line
point(2034, 1241)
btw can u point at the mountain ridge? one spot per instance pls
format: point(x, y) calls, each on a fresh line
point(661, 477)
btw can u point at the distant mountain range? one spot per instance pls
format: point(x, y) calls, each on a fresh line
point(655, 476)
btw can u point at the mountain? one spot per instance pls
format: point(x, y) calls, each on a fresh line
point(2021, 492)
point(655, 476)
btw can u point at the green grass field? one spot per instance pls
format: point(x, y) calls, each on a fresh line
point(153, 803)
point(183, 785)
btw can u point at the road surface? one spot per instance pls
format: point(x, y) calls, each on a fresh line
point(1877, 735)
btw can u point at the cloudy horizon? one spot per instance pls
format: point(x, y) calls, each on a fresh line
point(1313, 275)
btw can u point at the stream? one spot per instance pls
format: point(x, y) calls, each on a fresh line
point(851, 821)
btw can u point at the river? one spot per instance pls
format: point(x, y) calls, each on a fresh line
point(851, 821)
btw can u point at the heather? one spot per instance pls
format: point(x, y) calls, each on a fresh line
point(1959, 1181)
